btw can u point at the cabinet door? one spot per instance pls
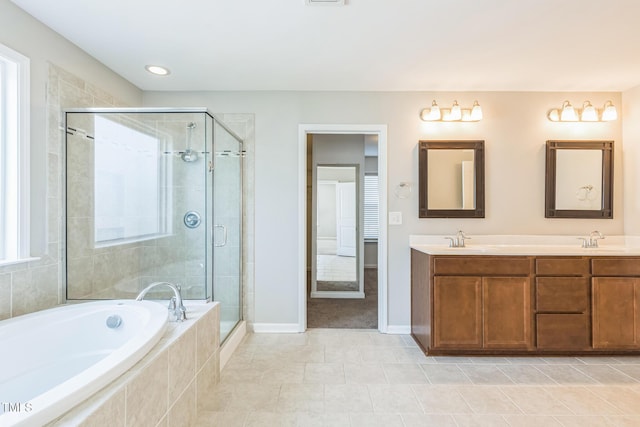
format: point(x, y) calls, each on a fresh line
point(457, 302)
point(616, 312)
point(507, 312)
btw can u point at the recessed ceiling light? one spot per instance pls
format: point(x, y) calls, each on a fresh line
point(157, 70)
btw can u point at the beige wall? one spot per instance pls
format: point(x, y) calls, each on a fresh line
point(631, 156)
point(515, 129)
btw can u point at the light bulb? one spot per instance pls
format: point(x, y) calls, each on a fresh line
point(435, 111)
point(568, 113)
point(476, 112)
point(456, 112)
point(589, 113)
point(610, 113)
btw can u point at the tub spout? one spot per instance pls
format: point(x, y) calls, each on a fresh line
point(175, 304)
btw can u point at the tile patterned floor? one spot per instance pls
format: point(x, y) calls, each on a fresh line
point(329, 377)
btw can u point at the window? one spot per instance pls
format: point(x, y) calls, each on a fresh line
point(14, 156)
point(371, 219)
point(130, 202)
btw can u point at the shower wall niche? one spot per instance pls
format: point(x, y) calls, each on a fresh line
point(153, 195)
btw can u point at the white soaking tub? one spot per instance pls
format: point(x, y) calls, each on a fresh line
point(54, 359)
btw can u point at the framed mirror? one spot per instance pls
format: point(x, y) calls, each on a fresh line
point(451, 179)
point(579, 179)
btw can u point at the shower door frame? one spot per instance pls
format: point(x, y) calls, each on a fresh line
point(210, 244)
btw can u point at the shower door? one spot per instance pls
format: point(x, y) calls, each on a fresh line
point(227, 223)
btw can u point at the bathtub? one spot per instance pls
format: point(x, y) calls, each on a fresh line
point(54, 359)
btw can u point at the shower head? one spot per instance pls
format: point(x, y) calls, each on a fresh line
point(189, 155)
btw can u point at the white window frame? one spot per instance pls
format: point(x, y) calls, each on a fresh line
point(371, 214)
point(14, 156)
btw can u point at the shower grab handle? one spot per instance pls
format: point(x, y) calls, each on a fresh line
point(224, 236)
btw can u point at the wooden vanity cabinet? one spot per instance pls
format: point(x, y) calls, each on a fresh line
point(562, 300)
point(616, 303)
point(481, 303)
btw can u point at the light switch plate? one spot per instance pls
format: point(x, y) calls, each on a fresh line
point(395, 218)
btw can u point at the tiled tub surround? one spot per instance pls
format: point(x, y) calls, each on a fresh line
point(169, 386)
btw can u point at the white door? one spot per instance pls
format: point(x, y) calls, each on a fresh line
point(346, 219)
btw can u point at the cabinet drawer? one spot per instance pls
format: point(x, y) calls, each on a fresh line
point(562, 294)
point(563, 332)
point(481, 266)
point(615, 266)
point(562, 266)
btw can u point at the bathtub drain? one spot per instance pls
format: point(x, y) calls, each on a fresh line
point(114, 321)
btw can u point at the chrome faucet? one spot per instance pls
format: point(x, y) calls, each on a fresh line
point(176, 308)
point(458, 241)
point(592, 240)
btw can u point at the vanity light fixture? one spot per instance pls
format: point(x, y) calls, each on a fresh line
point(157, 70)
point(453, 114)
point(588, 113)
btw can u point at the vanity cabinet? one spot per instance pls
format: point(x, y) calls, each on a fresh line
point(479, 303)
point(488, 304)
point(616, 303)
point(562, 298)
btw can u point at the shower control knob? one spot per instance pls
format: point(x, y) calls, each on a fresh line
point(192, 219)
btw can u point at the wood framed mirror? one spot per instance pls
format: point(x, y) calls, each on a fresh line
point(451, 179)
point(579, 179)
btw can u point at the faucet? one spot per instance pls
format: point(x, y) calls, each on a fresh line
point(175, 303)
point(592, 240)
point(458, 241)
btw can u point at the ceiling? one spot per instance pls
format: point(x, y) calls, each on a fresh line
point(366, 45)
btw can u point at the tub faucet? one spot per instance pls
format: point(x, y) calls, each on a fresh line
point(175, 303)
point(592, 240)
point(458, 241)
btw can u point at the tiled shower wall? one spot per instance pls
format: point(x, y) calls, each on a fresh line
point(121, 271)
point(39, 284)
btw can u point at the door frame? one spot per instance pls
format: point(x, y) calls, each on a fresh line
point(381, 132)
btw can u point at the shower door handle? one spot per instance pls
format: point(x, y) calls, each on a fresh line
point(224, 236)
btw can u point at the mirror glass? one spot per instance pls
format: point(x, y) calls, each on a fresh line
point(451, 175)
point(453, 170)
point(336, 229)
point(579, 179)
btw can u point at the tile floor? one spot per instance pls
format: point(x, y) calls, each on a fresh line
point(338, 377)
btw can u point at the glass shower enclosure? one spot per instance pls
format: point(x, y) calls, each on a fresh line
point(153, 195)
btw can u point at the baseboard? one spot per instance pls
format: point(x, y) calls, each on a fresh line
point(232, 342)
point(337, 294)
point(276, 328)
point(399, 329)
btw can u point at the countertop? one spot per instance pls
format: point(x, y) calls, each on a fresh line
point(522, 245)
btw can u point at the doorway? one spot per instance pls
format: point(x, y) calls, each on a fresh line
point(344, 297)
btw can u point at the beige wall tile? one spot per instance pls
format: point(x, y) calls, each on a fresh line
point(5, 296)
point(183, 412)
point(207, 335)
point(182, 364)
point(147, 394)
point(206, 380)
point(111, 413)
